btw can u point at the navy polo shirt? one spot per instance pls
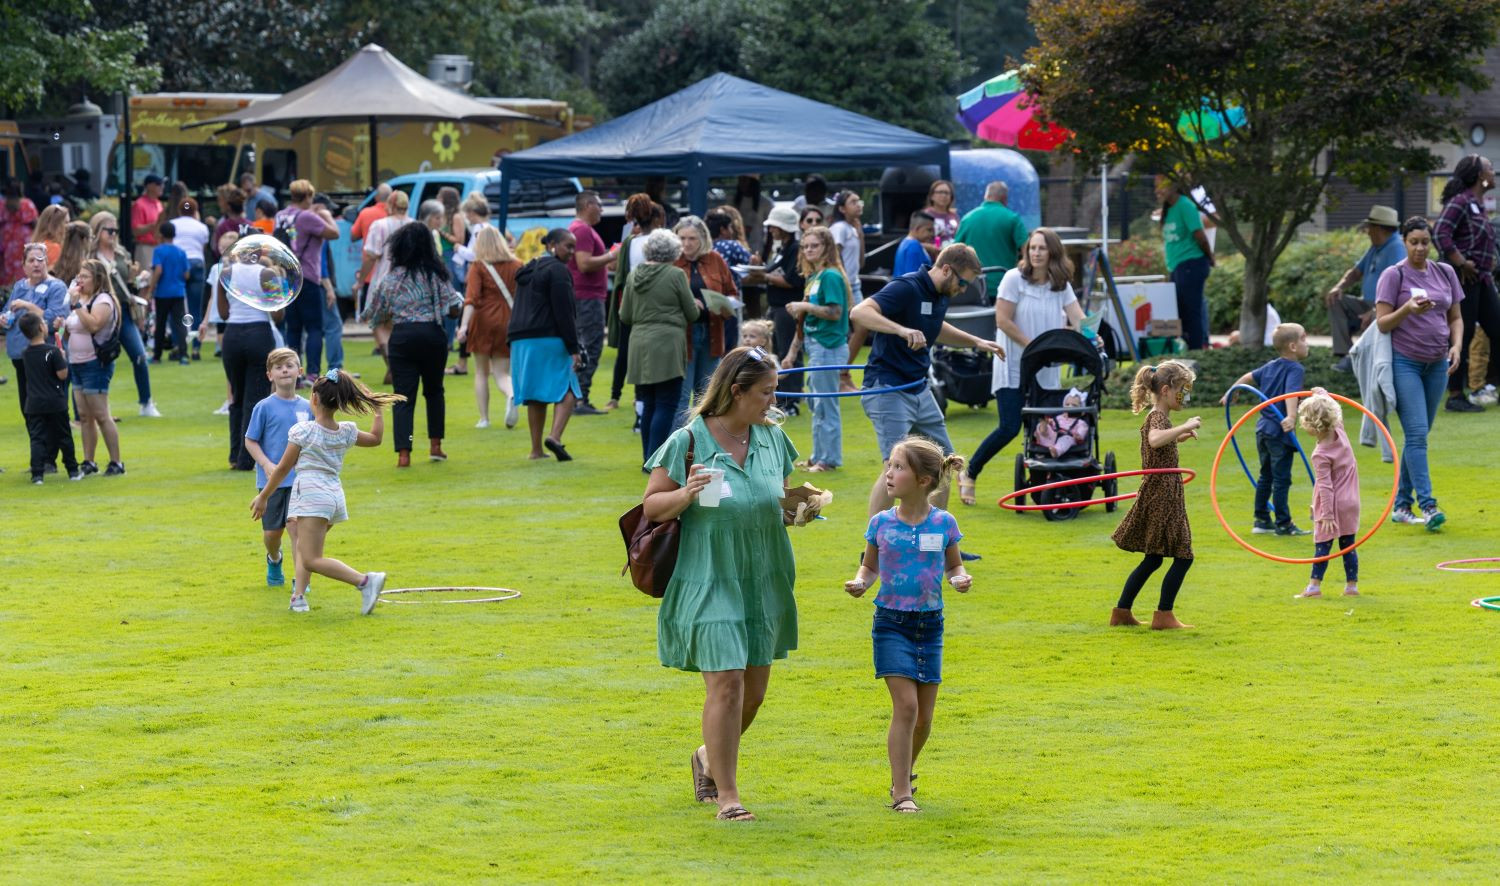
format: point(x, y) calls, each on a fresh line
point(914, 302)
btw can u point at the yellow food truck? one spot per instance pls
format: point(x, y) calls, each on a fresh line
point(334, 158)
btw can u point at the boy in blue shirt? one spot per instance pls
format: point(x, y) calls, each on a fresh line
point(1273, 438)
point(168, 290)
point(266, 441)
point(911, 255)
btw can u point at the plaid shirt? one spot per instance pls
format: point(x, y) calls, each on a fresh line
point(1464, 226)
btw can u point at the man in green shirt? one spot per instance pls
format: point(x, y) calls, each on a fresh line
point(996, 233)
point(1189, 259)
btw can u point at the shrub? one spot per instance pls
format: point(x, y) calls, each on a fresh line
point(1308, 267)
point(1138, 255)
point(1218, 368)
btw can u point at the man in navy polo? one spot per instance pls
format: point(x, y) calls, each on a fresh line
point(905, 319)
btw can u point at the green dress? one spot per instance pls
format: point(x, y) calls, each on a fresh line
point(729, 604)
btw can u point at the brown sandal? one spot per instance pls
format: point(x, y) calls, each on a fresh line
point(735, 813)
point(704, 789)
point(896, 806)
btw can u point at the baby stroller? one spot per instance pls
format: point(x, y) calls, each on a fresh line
point(1036, 465)
point(962, 375)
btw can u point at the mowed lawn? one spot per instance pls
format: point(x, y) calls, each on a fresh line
point(164, 718)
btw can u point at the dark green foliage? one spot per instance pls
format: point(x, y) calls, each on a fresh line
point(1219, 368)
point(61, 51)
point(1308, 269)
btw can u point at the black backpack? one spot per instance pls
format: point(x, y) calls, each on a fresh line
point(286, 231)
point(109, 350)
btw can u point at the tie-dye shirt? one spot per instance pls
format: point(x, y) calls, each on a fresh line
point(912, 558)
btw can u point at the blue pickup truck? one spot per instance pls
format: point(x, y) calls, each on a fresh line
point(539, 204)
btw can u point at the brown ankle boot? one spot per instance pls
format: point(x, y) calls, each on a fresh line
point(436, 453)
point(403, 458)
point(1166, 621)
point(1122, 617)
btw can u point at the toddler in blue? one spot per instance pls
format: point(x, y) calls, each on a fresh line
point(910, 548)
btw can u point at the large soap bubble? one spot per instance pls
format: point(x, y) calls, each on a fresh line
point(262, 272)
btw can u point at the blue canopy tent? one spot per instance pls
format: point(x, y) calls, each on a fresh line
point(724, 126)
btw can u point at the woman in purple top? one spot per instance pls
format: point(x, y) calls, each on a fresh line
point(1417, 303)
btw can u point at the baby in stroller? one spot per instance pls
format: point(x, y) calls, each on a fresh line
point(1061, 433)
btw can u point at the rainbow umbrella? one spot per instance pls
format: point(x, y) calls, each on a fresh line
point(999, 110)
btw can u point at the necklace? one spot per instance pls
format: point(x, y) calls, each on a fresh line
point(743, 441)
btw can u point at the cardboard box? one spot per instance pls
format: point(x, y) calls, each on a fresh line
point(1164, 328)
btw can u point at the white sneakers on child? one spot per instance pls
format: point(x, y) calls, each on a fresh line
point(299, 603)
point(370, 591)
point(482, 423)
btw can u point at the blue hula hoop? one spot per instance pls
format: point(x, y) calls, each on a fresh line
point(860, 393)
point(1296, 444)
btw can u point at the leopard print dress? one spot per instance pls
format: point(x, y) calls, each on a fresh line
point(1157, 522)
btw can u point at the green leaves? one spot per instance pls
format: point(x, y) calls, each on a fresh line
point(63, 52)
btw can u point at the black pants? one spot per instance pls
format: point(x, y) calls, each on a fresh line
point(20, 382)
point(1008, 403)
point(50, 433)
point(1480, 307)
point(169, 314)
point(419, 352)
point(245, 348)
point(783, 330)
point(1170, 584)
point(622, 356)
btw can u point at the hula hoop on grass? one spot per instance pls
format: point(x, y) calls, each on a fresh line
point(1080, 481)
point(1457, 565)
point(1228, 422)
point(1490, 603)
point(860, 393)
point(1213, 481)
point(505, 594)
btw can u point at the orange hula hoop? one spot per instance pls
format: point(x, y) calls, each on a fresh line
point(1213, 480)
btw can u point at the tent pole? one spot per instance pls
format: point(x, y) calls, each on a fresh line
point(504, 214)
point(374, 158)
point(698, 190)
point(1104, 207)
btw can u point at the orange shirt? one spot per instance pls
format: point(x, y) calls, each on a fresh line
point(264, 225)
point(367, 216)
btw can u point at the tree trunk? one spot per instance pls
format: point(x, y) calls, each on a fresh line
point(1257, 290)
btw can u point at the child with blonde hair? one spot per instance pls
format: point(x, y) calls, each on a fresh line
point(316, 449)
point(1157, 524)
point(756, 334)
point(1335, 499)
point(910, 549)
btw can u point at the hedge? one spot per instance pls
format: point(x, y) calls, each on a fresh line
point(1218, 368)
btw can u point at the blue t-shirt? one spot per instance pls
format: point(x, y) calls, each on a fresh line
point(910, 256)
point(1280, 376)
point(174, 267)
point(914, 302)
point(912, 559)
point(270, 422)
point(1374, 262)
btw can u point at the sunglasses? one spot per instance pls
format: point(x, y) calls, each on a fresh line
point(812, 219)
point(757, 354)
point(110, 230)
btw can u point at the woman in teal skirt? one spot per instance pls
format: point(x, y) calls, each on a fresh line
point(728, 611)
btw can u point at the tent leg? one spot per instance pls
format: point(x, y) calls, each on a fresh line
point(1104, 208)
point(374, 157)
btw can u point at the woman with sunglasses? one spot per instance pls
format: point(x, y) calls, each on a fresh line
point(122, 271)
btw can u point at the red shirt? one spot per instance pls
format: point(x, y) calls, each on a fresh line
point(144, 211)
point(367, 216)
point(590, 285)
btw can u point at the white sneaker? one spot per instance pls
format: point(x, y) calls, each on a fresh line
point(482, 423)
point(299, 603)
point(370, 593)
point(512, 413)
point(222, 410)
point(148, 410)
point(1486, 396)
point(1406, 515)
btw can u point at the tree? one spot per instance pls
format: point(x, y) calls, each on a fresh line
point(59, 48)
point(1327, 87)
point(681, 43)
point(990, 35)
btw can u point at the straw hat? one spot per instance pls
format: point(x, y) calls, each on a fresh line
point(1384, 216)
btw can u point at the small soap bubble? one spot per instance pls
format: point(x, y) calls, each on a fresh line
point(261, 272)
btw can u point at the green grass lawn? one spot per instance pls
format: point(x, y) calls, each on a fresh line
point(163, 718)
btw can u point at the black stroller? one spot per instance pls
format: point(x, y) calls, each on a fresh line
point(961, 375)
point(1036, 465)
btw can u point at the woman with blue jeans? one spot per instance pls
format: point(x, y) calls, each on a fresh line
point(823, 318)
point(658, 307)
point(1417, 302)
point(108, 250)
point(1035, 297)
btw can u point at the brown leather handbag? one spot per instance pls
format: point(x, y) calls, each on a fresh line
point(651, 548)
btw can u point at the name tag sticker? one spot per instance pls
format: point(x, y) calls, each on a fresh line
point(930, 541)
point(926, 308)
point(814, 286)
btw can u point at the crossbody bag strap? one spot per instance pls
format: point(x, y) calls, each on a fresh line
point(691, 444)
point(504, 290)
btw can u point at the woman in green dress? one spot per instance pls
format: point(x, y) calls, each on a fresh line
point(728, 611)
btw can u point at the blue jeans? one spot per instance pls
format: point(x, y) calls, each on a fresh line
point(1008, 403)
point(658, 410)
point(304, 316)
point(1419, 390)
point(1190, 278)
point(195, 295)
point(1276, 455)
point(700, 367)
point(827, 422)
point(333, 334)
point(900, 413)
point(1351, 559)
point(135, 349)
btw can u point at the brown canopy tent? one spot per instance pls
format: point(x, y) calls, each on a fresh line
point(369, 86)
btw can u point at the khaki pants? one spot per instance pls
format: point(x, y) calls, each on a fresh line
point(143, 255)
point(1347, 310)
point(1479, 360)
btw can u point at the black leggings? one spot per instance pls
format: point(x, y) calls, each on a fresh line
point(1170, 584)
point(1479, 309)
point(622, 359)
point(245, 348)
point(1351, 559)
point(419, 352)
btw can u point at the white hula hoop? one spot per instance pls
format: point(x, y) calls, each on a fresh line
point(505, 594)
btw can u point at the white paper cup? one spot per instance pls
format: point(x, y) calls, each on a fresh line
point(710, 495)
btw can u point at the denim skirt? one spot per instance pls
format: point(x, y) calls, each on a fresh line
point(908, 644)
